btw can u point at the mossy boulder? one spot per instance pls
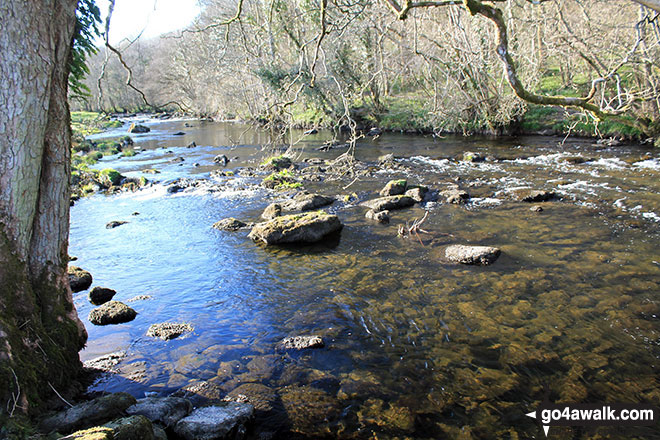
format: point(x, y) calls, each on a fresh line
point(131, 428)
point(277, 163)
point(394, 188)
point(87, 414)
point(113, 312)
point(164, 410)
point(79, 279)
point(298, 228)
point(168, 330)
point(110, 177)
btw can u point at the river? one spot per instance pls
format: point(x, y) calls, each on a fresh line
point(416, 347)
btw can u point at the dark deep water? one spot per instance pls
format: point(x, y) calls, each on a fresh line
point(415, 347)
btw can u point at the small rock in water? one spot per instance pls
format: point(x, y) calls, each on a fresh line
point(229, 224)
point(139, 298)
point(137, 128)
point(394, 188)
point(216, 422)
point(417, 193)
point(386, 159)
point(168, 330)
point(479, 255)
point(106, 362)
point(178, 160)
point(133, 427)
point(115, 223)
point(455, 196)
point(221, 159)
point(273, 210)
point(191, 145)
point(179, 133)
point(532, 195)
point(536, 208)
point(79, 279)
point(302, 342)
point(113, 312)
point(470, 156)
point(101, 295)
point(379, 216)
point(136, 213)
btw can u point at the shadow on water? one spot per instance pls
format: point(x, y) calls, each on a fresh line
point(416, 347)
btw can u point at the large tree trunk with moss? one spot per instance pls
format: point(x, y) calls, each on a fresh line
point(40, 333)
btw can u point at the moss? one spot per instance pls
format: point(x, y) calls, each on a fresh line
point(277, 162)
point(128, 152)
point(111, 176)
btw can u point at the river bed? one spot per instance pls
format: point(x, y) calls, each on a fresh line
point(416, 347)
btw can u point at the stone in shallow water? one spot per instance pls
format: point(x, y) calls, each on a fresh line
point(379, 216)
point(229, 224)
point(455, 196)
point(79, 279)
point(299, 228)
point(394, 188)
point(113, 224)
point(164, 410)
point(389, 203)
point(302, 342)
point(113, 312)
point(532, 195)
point(216, 422)
point(168, 330)
point(100, 295)
point(479, 255)
point(87, 414)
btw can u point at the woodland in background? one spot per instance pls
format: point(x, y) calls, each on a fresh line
point(320, 63)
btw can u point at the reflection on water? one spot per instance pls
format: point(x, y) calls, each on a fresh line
point(415, 347)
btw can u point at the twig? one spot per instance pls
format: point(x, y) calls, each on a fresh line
point(14, 397)
point(59, 395)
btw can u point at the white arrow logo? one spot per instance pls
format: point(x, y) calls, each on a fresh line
point(545, 427)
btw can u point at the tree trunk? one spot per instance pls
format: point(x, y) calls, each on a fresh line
point(40, 333)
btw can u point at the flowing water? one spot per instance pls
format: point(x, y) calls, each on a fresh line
point(415, 347)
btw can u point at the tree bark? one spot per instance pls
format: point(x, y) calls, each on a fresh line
point(40, 333)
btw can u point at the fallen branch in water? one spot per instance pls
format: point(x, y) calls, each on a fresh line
point(408, 230)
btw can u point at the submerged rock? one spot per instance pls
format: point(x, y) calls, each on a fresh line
point(297, 228)
point(101, 295)
point(217, 422)
point(79, 279)
point(137, 128)
point(394, 188)
point(455, 196)
point(229, 224)
point(115, 223)
point(389, 203)
point(106, 362)
point(164, 410)
point(379, 216)
point(532, 195)
point(479, 255)
point(113, 312)
point(87, 414)
point(168, 330)
point(301, 342)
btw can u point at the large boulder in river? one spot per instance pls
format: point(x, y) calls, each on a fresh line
point(79, 279)
point(164, 410)
point(389, 203)
point(137, 128)
point(479, 255)
point(304, 201)
point(216, 422)
point(297, 228)
point(113, 312)
point(87, 414)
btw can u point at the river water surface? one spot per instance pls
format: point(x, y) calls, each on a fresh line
point(415, 347)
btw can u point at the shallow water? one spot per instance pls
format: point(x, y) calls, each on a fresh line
point(415, 347)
